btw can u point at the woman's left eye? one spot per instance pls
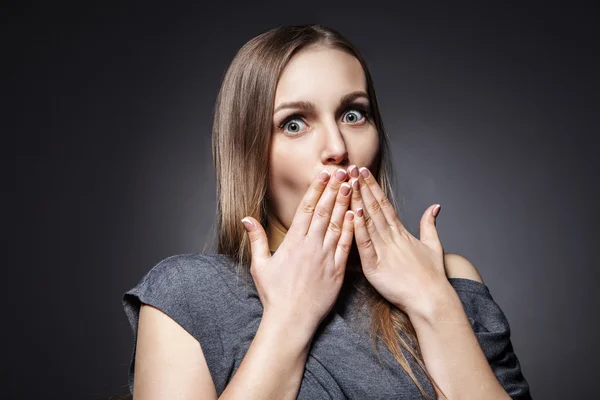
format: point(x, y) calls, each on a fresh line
point(354, 111)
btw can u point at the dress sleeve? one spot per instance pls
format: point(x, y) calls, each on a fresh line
point(493, 333)
point(184, 287)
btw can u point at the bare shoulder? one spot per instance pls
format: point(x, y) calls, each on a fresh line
point(458, 266)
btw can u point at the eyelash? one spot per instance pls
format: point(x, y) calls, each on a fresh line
point(362, 109)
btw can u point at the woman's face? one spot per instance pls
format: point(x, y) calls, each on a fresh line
point(327, 130)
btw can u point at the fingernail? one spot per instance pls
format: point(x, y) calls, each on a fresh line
point(359, 212)
point(436, 210)
point(349, 215)
point(354, 171)
point(324, 176)
point(340, 174)
point(355, 185)
point(364, 172)
point(345, 189)
point(247, 224)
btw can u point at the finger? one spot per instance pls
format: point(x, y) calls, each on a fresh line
point(376, 204)
point(259, 245)
point(366, 248)
point(357, 202)
point(324, 208)
point(428, 230)
point(306, 208)
point(386, 206)
point(345, 243)
point(334, 230)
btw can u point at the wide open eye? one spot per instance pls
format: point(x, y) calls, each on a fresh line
point(293, 123)
point(355, 114)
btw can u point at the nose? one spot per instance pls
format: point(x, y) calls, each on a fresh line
point(334, 150)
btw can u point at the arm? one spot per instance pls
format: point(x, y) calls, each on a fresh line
point(407, 272)
point(452, 352)
point(274, 364)
point(170, 363)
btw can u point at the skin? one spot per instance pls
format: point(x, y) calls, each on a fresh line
point(325, 139)
point(409, 272)
point(329, 137)
point(170, 362)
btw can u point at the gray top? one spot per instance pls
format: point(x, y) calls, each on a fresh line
point(219, 306)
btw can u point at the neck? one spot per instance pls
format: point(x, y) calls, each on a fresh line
point(275, 232)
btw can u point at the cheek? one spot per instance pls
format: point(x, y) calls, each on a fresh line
point(364, 149)
point(286, 169)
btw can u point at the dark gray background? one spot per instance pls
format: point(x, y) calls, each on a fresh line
point(492, 112)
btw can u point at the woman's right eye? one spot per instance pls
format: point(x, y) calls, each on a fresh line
point(293, 124)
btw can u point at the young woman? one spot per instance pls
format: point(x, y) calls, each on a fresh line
point(317, 289)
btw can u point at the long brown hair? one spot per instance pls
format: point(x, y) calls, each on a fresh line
point(241, 139)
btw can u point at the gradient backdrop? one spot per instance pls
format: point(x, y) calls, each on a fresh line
point(492, 112)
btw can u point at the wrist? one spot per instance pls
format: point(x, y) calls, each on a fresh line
point(284, 326)
point(442, 305)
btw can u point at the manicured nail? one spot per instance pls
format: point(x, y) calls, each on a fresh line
point(247, 224)
point(436, 210)
point(354, 171)
point(340, 175)
point(359, 212)
point(324, 176)
point(355, 185)
point(345, 189)
point(364, 172)
point(349, 215)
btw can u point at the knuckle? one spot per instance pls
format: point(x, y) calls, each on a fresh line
point(307, 208)
point(345, 247)
point(332, 188)
point(365, 244)
point(254, 238)
point(374, 206)
point(334, 227)
point(384, 202)
point(368, 222)
point(322, 212)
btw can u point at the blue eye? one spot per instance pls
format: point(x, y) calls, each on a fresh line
point(361, 111)
point(292, 122)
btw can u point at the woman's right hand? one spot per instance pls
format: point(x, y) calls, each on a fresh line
point(300, 283)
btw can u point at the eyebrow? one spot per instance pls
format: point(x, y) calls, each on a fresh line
point(307, 106)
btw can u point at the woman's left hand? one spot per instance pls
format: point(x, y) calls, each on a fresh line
point(407, 271)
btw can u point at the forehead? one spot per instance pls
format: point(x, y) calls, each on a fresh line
point(320, 75)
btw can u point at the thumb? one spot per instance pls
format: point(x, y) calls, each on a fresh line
point(259, 244)
point(429, 233)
